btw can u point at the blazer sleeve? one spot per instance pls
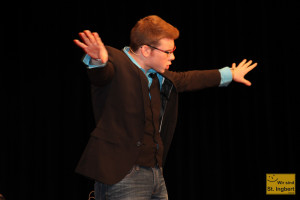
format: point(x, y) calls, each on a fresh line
point(101, 76)
point(194, 80)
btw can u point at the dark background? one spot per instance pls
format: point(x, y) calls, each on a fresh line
point(226, 140)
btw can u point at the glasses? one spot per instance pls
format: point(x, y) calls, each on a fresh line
point(167, 52)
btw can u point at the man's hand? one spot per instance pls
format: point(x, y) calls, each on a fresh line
point(92, 45)
point(241, 70)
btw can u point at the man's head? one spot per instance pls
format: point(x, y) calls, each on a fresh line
point(153, 39)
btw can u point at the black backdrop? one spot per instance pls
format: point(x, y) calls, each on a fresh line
point(226, 140)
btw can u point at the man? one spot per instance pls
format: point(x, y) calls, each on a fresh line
point(135, 105)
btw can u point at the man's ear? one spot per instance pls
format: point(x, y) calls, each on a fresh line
point(146, 51)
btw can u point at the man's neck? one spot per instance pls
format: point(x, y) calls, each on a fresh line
point(137, 58)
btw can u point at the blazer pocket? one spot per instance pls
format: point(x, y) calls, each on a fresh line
point(105, 135)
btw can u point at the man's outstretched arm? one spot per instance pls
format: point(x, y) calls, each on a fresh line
point(100, 70)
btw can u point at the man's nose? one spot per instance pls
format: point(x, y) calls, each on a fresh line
point(172, 56)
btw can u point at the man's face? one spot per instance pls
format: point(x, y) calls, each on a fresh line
point(159, 59)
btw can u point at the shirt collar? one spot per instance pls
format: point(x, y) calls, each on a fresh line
point(126, 51)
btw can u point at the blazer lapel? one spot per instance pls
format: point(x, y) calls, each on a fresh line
point(145, 90)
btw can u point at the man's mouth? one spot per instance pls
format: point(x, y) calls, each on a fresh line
point(168, 66)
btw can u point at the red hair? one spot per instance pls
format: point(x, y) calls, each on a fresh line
point(150, 30)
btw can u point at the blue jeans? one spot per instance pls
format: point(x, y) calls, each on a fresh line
point(141, 183)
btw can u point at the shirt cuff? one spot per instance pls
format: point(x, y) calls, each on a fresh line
point(92, 63)
point(226, 76)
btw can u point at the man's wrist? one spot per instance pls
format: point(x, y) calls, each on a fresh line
point(96, 61)
point(232, 72)
point(92, 63)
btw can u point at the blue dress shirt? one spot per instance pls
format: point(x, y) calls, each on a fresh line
point(226, 75)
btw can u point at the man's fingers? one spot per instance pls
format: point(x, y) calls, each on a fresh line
point(90, 36)
point(251, 67)
point(242, 63)
point(233, 66)
point(80, 44)
point(97, 38)
point(246, 82)
point(247, 64)
point(85, 39)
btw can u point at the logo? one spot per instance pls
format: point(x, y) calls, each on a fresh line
point(281, 184)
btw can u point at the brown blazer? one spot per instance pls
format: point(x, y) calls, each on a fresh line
point(119, 91)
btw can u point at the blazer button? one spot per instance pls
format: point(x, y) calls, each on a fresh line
point(138, 144)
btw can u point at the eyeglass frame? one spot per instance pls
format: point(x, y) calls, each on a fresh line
point(167, 52)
